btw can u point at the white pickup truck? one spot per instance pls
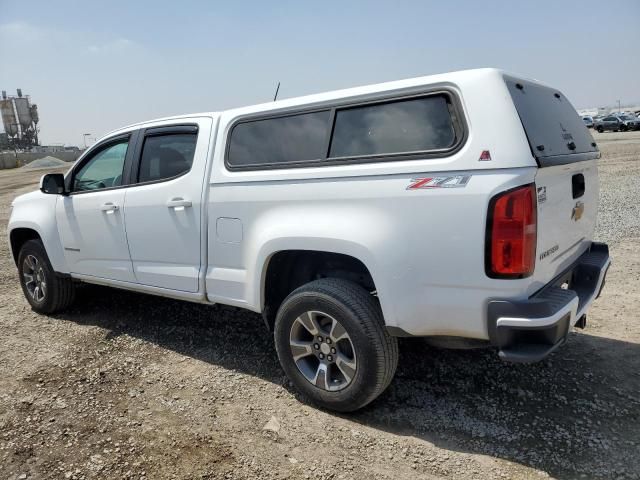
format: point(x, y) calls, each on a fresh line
point(458, 206)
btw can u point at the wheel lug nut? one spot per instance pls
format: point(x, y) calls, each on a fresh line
point(321, 356)
point(330, 358)
point(316, 346)
point(333, 350)
point(319, 338)
point(328, 340)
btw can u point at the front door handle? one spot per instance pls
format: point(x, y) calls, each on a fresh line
point(109, 207)
point(178, 203)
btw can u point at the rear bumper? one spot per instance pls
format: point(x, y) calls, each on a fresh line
point(529, 330)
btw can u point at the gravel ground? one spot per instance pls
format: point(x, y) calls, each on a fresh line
point(133, 386)
point(619, 216)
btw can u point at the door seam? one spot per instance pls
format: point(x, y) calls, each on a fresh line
point(126, 236)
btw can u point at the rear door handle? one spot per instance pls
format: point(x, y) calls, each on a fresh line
point(178, 203)
point(109, 207)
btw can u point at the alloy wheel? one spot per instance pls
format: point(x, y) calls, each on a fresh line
point(34, 278)
point(323, 351)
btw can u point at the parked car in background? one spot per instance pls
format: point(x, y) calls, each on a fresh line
point(610, 122)
point(588, 121)
point(629, 122)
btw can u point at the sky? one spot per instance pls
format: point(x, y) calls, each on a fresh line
point(94, 66)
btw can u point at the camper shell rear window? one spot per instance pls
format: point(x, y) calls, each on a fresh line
point(556, 133)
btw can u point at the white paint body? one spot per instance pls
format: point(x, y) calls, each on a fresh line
point(425, 249)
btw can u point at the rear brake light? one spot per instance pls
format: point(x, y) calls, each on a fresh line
point(512, 234)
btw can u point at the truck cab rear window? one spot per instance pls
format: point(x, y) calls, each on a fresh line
point(394, 127)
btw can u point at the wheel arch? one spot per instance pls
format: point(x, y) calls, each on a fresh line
point(18, 237)
point(287, 268)
point(21, 232)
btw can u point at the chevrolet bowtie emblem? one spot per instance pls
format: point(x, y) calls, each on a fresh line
point(577, 212)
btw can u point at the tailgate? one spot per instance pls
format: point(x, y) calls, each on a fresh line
point(567, 211)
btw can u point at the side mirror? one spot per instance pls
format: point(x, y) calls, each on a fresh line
point(53, 183)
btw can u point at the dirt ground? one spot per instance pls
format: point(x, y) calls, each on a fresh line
point(133, 386)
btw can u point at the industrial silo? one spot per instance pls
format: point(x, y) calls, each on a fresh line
point(23, 110)
point(20, 120)
point(34, 113)
point(9, 117)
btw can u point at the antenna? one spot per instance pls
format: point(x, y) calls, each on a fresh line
point(277, 90)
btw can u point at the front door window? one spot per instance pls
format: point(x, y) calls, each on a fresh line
point(103, 170)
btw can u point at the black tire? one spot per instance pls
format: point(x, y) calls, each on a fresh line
point(600, 129)
point(360, 315)
point(59, 292)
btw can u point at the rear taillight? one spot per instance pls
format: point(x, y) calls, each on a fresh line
point(511, 234)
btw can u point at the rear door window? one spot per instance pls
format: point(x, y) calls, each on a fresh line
point(552, 125)
point(166, 156)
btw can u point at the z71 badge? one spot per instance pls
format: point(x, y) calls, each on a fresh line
point(456, 181)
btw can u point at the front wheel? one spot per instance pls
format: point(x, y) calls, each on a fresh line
point(45, 291)
point(333, 346)
point(600, 129)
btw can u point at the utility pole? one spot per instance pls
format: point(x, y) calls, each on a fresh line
point(618, 106)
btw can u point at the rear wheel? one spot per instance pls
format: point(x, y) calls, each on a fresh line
point(45, 291)
point(333, 346)
point(600, 129)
